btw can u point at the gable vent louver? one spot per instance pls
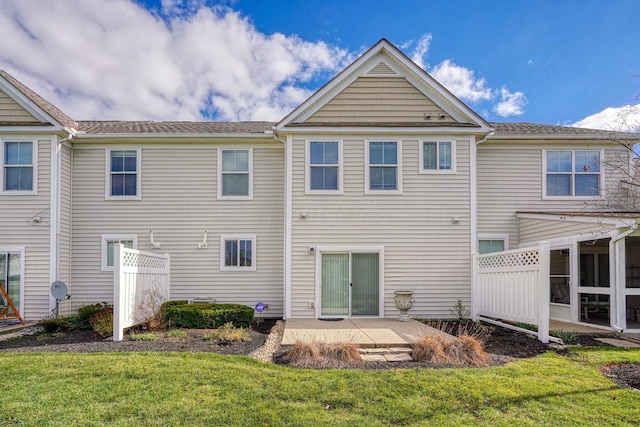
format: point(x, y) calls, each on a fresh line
point(382, 69)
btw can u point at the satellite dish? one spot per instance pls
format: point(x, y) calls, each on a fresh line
point(59, 290)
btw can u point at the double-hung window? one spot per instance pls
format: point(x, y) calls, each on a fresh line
point(384, 172)
point(237, 252)
point(108, 248)
point(235, 180)
point(124, 174)
point(572, 173)
point(437, 156)
point(18, 164)
point(324, 174)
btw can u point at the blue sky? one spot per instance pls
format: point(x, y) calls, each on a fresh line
point(555, 62)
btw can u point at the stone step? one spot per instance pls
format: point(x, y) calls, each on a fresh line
point(393, 354)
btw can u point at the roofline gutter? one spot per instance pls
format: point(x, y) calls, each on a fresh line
point(555, 137)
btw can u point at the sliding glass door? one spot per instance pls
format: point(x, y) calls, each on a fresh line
point(10, 272)
point(350, 284)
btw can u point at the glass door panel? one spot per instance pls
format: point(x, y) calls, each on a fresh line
point(10, 276)
point(335, 284)
point(365, 292)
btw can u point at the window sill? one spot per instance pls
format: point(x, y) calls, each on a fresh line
point(324, 192)
point(238, 269)
point(571, 198)
point(18, 193)
point(235, 197)
point(437, 172)
point(123, 198)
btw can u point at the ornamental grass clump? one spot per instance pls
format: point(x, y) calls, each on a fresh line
point(462, 351)
point(227, 334)
point(316, 355)
point(430, 349)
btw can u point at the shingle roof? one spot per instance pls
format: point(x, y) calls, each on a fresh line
point(151, 127)
point(45, 105)
point(533, 129)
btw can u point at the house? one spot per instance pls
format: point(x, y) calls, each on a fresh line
point(381, 181)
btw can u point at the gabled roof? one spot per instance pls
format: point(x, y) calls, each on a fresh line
point(386, 60)
point(41, 103)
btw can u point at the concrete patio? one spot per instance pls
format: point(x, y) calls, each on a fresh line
point(363, 332)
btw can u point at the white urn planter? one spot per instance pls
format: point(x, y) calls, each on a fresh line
point(404, 301)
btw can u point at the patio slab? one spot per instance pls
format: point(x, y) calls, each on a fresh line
point(363, 332)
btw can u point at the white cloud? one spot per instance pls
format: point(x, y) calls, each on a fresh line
point(421, 50)
point(462, 82)
point(117, 60)
point(625, 118)
point(510, 104)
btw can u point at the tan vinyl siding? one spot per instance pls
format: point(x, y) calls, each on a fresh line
point(12, 112)
point(15, 230)
point(423, 251)
point(541, 229)
point(510, 179)
point(382, 99)
point(179, 187)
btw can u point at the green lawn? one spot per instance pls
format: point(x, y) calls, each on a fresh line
point(166, 389)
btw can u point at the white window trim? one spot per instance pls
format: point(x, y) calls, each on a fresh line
point(252, 237)
point(105, 238)
point(307, 164)
point(601, 174)
point(107, 178)
point(367, 184)
point(503, 237)
point(451, 171)
point(34, 165)
point(250, 195)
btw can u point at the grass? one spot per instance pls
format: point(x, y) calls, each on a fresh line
point(177, 333)
point(171, 389)
point(228, 334)
point(149, 336)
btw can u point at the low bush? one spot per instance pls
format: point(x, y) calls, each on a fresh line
point(565, 336)
point(206, 316)
point(55, 324)
point(463, 350)
point(317, 355)
point(228, 333)
point(86, 311)
point(102, 321)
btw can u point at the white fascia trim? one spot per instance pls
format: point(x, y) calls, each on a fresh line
point(220, 196)
point(307, 167)
point(547, 137)
point(27, 104)
point(387, 130)
point(367, 189)
point(288, 212)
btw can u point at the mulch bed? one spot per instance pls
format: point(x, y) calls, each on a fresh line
point(504, 345)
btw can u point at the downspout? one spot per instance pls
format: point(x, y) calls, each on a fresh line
point(618, 273)
point(54, 210)
point(288, 209)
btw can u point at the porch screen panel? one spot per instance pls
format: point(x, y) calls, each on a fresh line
point(365, 293)
point(335, 284)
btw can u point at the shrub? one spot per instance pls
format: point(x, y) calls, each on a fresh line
point(317, 355)
point(102, 321)
point(149, 310)
point(55, 324)
point(143, 337)
point(430, 349)
point(207, 316)
point(466, 350)
point(86, 311)
point(228, 333)
point(565, 336)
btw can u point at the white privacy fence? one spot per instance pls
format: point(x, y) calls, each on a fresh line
point(514, 286)
point(138, 276)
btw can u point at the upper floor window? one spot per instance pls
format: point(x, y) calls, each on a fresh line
point(18, 161)
point(237, 252)
point(573, 173)
point(437, 156)
point(384, 167)
point(324, 168)
point(124, 174)
point(235, 180)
